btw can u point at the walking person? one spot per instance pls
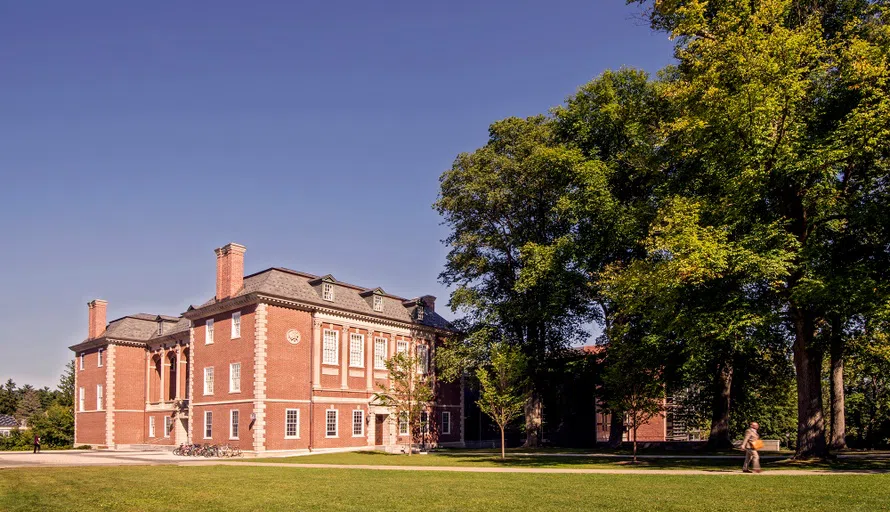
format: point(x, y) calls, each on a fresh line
point(36, 443)
point(751, 443)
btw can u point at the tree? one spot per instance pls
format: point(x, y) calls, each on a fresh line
point(501, 385)
point(502, 203)
point(409, 394)
point(55, 426)
point(8, 398)
point(29, 404)
point(65, 392)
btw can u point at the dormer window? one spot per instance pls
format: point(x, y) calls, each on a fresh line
point(327, 292)
point(419, 314)
point(378, 303)
point(160, 328)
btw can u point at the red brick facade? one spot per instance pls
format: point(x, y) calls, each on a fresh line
point(274, 377)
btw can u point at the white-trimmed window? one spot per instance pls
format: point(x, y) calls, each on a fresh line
point(291, 423)
point(423, 352)
point(378, 303)
point(98, 397)
point(401, 347)
point(424, 422)
point(420, 313)
point(235, 378)
point(208, 424)
point(236, 324)
point(99, 353)
point(358, 423)
point(208, 380)
point(81, 360)
point(151, 426)
point(168, 426)
point(357, 350)
point(208, 332)
point(446, 422)
point(331, 346)
point(380, 353)
point(80, 400)
point(327, 291)
point(330, 422)
point(234, 418)
point(403, 424)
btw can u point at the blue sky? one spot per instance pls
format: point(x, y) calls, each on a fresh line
point(135, 137)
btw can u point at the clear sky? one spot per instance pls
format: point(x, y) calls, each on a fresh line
point(135, 137)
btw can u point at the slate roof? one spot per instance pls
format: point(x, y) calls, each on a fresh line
point(8, 421)
point(306, 288)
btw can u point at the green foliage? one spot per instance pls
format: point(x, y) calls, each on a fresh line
point(55, 426)
point(409, 394)
point(502, 386)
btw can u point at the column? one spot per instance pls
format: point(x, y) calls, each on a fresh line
point(147, 377)
point(162, 395)
point(316, 353)
point(178, 372)
point(344, 357)
point(369, 360)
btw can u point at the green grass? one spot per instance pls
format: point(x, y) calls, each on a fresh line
point(489, 459)
point(276, 488)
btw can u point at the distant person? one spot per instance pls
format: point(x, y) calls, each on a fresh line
point(36, 443)
point(751, 443)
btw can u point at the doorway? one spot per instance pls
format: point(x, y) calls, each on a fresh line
point(379, 424)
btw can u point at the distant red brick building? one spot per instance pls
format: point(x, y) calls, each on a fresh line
point(276, 361)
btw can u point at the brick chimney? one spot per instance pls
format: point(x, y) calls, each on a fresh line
point(429, 302)
point(229, 270)
point(97, 317)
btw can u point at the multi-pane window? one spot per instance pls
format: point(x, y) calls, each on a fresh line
point(423, 352)
point(168, 426)
point(208, 424)
point(378, 303)
point(98, 397)
point(330, 423)
point(292, 423)
point(446, 422)
point(208, 380)
point(234, 417)
point(331, 343)
point(401, 346)
point(419, 313)
point(80, 400)
point(99, 353)
point(424, 422)
point(236, 324)
point(81, 361)
point(357, 350)
point(151, 426)
point(327, 291)
point(380, 353)
point(235, 378)
point(403, 424)
point(358, 423)
point(208, 335)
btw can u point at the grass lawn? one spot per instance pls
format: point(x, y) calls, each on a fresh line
point(276, 488)
point(489, 459)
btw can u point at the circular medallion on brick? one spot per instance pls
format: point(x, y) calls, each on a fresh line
point(293, 336)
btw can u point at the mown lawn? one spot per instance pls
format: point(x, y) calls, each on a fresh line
point(487, 459)
point(280, 488)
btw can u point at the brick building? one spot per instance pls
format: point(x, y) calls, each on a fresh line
point(279, 360)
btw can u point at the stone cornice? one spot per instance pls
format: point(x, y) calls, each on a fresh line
point(221, 306)
point(103, 341)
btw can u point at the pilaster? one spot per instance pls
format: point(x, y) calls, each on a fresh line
point(316, 352)
point(109, 396)
point(191, 382)
point(259, 379)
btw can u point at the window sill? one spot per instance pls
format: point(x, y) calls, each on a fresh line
point(291, 437)
point(330, 437)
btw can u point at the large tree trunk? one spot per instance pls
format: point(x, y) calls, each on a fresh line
point(838, 419)
point(808, 367)
point(533, 409)
point(719, 437)
point(616, 429)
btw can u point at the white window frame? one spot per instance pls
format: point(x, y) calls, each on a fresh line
point(325, 359)
point(81, 400)
point(208, 389)
point(378, 303)
point(327, 417)
point(361, 423)
point(380, 355)
point(99, 397)
point(234, 385)
point(236, 325)
point(81, 361)
point(424, 353)
point(99, 354)
point(234, 423)
point(327, 292)
point(424, 422)
point(401, 346)
point(208, 433)
point(296, 423)
point(208, 332)
point(168, 425)
point(151, 426)
point(446, 422)
point(359, 360)
point(403, 422)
